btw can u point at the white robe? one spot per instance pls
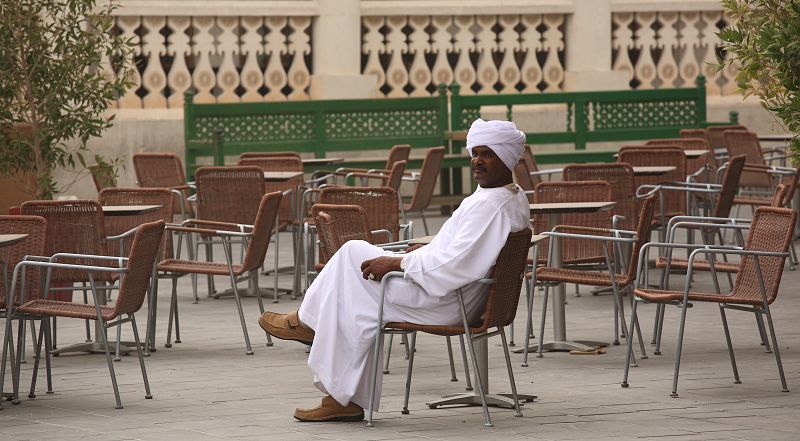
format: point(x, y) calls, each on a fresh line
point(342, 307)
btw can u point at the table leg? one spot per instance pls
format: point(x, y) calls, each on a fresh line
point(560, 342)
point(472, 398)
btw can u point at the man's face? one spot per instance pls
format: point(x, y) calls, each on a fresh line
point(488, 169)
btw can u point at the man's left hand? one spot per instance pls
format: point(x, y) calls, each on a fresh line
point(379, 266)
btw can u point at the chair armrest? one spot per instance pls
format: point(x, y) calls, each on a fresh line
point(551, 171)
point(208, 231)
point(240, 227)
point(384, 231)
point(123, 235)
point(55, 257)
point(56, 265)
point(559, 228)
point(589, 237)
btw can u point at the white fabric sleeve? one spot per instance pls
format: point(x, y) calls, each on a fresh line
point(476, 243)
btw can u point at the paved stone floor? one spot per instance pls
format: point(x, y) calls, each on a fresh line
point(206, 388)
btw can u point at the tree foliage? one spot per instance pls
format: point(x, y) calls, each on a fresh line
point(764, 39)
point(61, 67)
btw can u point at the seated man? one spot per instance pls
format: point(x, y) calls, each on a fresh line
point(340, 309)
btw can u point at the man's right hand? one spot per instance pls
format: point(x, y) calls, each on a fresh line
point(414, 247)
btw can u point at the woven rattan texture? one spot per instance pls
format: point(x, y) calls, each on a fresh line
point(161, 170)
point(116, 225)
point(695, 133)
point(742, 142)
point(262, 231)
point(692, 164)
point(730, 183)
point(144, 249)
point(282, 164)
point(674, 201)
point(229, 194)
point(574, 251)
point(716, 135)
point(398, 152)
point(100, 179)
point(73, 227)
point(427, 179)
point(530, 162)
point(379, 204)
point(698, 265)
point(503, 297)
point(620, 176)
point(33, 245)
point(523, 178)
point(55, 308)
point(336, 224)
point(396, 175)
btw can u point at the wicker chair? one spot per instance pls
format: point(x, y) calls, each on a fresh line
point(623, 192)
point(392, 179)
point(164, 170)
point(716, 135)
point(74, 227)
point(117, 225)
point(672, 203)
point(101, 178)
point(760, 269)
point(619, 282)
point(398, 152)
point(707, 163)
point(574, 251)
point(137, 271)
point(501, 307)
point(230, 195)
point(533, 167)
point(695, 133)
point(258, 236)
point(10, 255)
point(425, 183)
point(755, 176)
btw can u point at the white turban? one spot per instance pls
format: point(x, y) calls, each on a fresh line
point(502, 137)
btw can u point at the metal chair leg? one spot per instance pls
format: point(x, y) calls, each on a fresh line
point(466, 364)
point(254, 275)
point(541, 323)
point(413, 346)
point(478, 380)
point(147, 393)
point(517, 412)
point(730, 345)
point(775, 349)
point(36, 357)
point(173, 300)
point(450, 357)
point(684, 307)
point(762, 331)
point(629, 347)
point(388, 354)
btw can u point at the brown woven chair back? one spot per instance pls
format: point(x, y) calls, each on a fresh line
point(574, 251)
point(779, 196)
point(284, 154)
point(33, 245)
point(508, 271)
point(396, 175)
point(790, 182)
point(427, 179)
point(530, 162)
point(771, 230)
point(742, 142)
point(229, 194)
point(643, 229)
point(674, 201)
point(695, 133)
point(101, 180)
point(145, 247)
point(73, 227)
point(692, 164)
point(379, 204)
point(279, 163)
point(161, 170)
point(337, 224)
point(262, 231)
point(730, 182)
point(620, 176)
point(716, 135)
point(524, 179)
point(116, 225)
point(399, 152)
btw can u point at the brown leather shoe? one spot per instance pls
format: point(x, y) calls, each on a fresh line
point(286, 327)
point(330, 410)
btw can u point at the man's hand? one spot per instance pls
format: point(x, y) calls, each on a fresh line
point(415, 247)
point(379, 266)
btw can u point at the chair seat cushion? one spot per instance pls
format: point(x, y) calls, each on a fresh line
point(54, 308)
point(661, 295)
point(197, 267)
point(699, 264)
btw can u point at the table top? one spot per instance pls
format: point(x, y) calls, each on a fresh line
point(128, 210)
point(653, 170)
point(695, 153)
point(281, 176)
point(322, 161)
point(10, 239)
point(775, 138)
point(571, 207)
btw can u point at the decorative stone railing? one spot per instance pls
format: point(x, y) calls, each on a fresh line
point(263, 50)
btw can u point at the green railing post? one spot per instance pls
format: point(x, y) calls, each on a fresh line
point(580, 124)
point(701, 100)
point(190, 158)
point(319, 133)
point(218, 145)
point(733, 116)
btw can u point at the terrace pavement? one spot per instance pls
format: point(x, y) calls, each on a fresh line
point(206, 388)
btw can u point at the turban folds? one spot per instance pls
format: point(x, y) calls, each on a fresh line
point(502, 137)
